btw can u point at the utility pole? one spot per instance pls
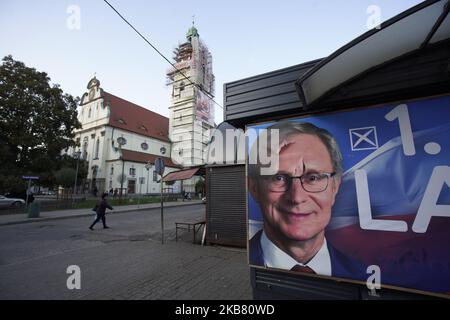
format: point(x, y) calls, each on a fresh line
point(148, 165)
point(159, 168)
point(77, 155)
point(121, 141)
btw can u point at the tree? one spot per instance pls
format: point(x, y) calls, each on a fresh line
point(65, 177)
point(37, 121)
point(200, 186)
point(170, 183)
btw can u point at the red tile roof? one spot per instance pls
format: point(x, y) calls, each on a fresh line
point(131, 117)
point(180, 175)
point(142, 157)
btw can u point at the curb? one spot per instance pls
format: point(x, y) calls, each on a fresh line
point(30, 220)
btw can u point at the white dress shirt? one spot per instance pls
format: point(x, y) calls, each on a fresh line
point(274, 257)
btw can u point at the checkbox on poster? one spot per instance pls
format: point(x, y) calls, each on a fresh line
point(363, 138)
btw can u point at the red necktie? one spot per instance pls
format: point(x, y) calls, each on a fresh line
point(305, 269)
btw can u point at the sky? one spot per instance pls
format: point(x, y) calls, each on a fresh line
point(73, 40)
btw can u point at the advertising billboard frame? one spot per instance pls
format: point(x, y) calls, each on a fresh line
point(317, 115)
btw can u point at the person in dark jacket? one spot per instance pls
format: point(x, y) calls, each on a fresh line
point(101, 212)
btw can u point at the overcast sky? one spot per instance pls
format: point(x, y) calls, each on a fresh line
point(245, 37)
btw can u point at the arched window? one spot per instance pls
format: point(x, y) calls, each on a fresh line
point(85, 147)
point(89, 114)
point(181, 86)
point(97, 148)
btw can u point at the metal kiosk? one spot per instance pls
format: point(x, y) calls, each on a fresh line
point(385, 96)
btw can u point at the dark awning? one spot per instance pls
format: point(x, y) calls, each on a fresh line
point(412, 30)
point(184, 174)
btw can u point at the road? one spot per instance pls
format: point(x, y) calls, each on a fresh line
point(126, 261)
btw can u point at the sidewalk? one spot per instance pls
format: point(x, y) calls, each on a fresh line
point(8, 219)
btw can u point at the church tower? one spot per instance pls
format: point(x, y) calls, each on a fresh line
point(191, 107)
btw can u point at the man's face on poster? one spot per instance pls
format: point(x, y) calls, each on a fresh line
point(296, 214)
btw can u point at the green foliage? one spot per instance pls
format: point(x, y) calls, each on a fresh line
point(36, 123)
point(70, 162)
point(200, 186)
point(11, 184)
point(65, 177)
point(170, 183)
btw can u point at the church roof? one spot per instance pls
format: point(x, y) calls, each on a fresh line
point(192, 32)
point(132, 117)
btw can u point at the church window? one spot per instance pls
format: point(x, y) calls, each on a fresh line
point(85, 147)
point(97, 148)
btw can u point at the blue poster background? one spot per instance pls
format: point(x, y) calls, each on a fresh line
point(396, 184)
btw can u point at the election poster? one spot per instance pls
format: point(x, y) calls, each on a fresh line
point(357, 194)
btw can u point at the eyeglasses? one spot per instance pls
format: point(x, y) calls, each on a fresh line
point(311, 182)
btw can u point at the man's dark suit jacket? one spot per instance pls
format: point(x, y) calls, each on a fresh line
point(341, 266)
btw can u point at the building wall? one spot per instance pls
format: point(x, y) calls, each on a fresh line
point(113, 171)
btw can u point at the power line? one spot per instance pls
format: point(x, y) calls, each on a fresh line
point(154, 48)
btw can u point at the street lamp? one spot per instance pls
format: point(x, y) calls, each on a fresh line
point(148, 165)
point(77, 156)
point(121, 141)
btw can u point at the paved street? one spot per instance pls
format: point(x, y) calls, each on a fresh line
point(127, 261)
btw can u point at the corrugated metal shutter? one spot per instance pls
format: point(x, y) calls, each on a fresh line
point(225, 209)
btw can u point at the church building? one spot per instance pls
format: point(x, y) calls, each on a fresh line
point(121, 140)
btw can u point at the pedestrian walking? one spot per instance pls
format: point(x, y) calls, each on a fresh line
point(101, 212)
